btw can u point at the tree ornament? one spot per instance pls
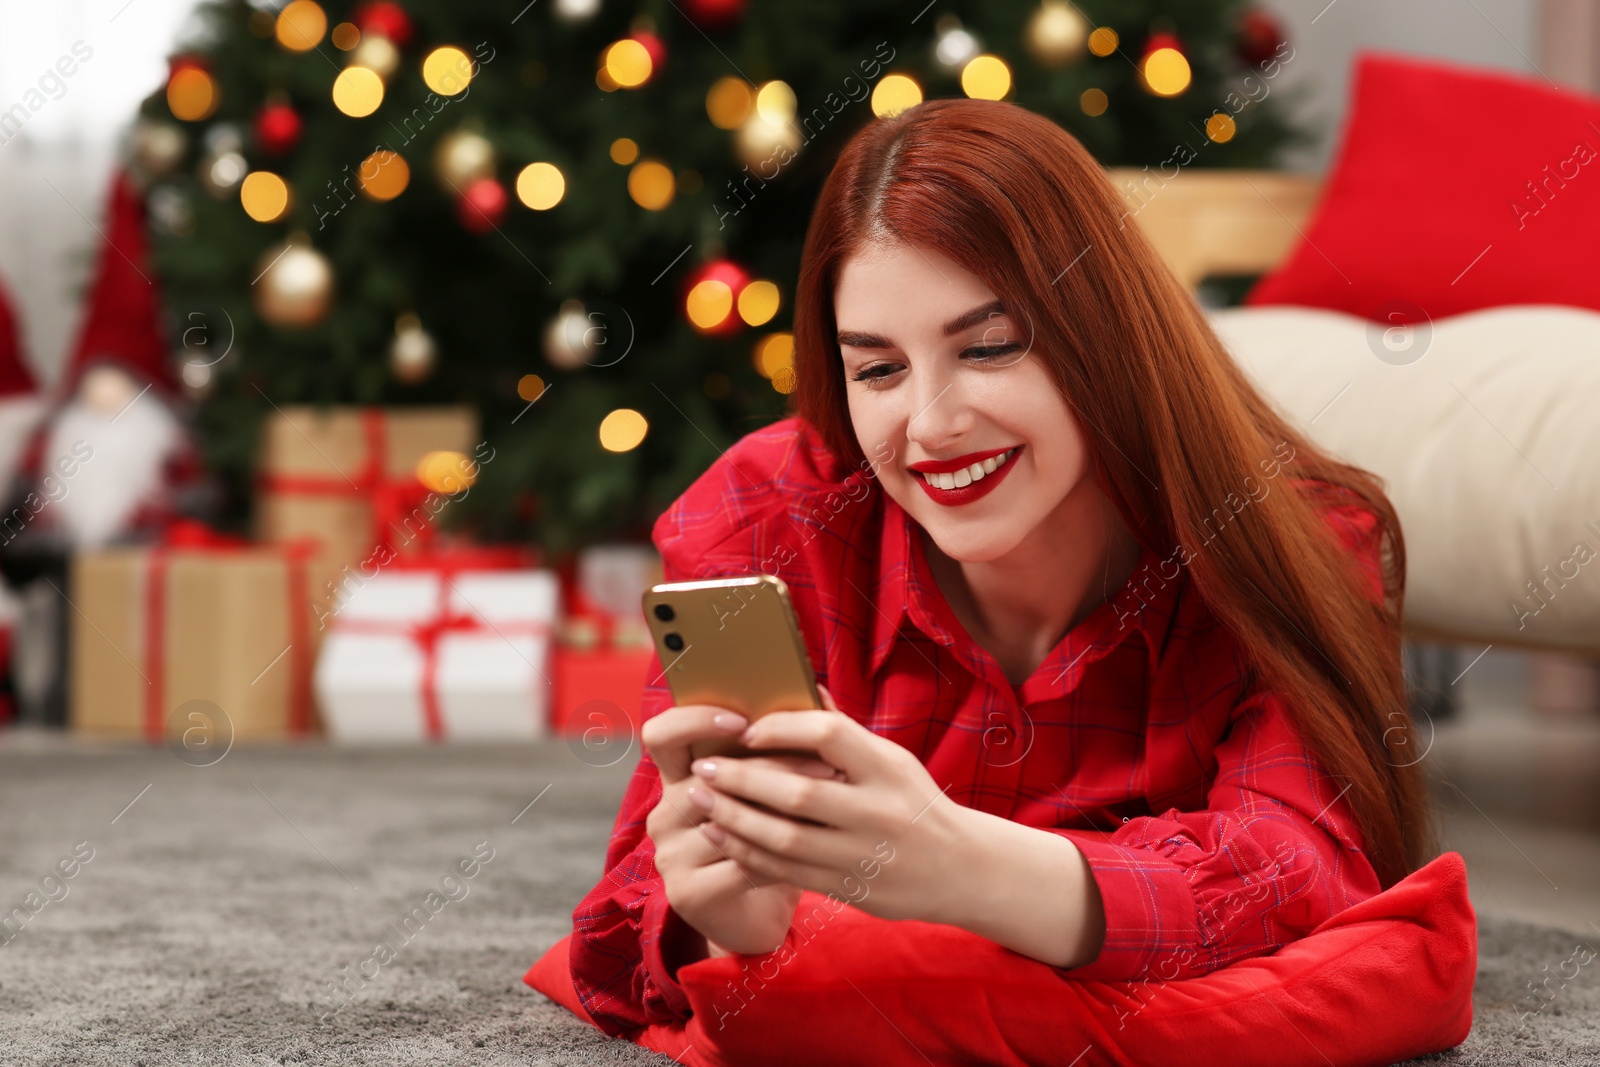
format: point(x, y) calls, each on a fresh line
point(1260, 37)
point(482, 206)
point(1164, 68)
point(170, 210)
point(295, 287)
point(378, 54)
point(384, 19)
point(762, 143)
point(277, 129)
point(221, 174)
point(712, 295)
point(955, 44)
point(463, 156)
point(714, 15)
point(569, 340)
point(412, 353)
point(157, 147)
point(1056, 34)
point(576, 10)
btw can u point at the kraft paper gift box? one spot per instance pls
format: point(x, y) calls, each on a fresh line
point(420, 655)
point(347, 475)
point(158, 627)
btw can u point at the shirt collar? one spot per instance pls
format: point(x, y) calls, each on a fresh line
point(906, 593)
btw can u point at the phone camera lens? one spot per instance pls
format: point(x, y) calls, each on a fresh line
point(665, 613)
point(673, 641)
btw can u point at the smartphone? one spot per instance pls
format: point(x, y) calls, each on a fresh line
point(734, 642)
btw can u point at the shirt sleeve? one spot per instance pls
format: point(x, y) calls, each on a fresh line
point(1276, 852)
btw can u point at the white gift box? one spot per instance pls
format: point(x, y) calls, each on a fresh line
point(418, 656)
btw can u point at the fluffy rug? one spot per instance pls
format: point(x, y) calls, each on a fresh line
point(231, 913)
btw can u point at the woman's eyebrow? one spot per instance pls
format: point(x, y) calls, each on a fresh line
point(964, 321)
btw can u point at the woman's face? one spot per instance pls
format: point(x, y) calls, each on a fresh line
point(946, 376)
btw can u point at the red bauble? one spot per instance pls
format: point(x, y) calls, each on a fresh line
point(277, 129)
point(1260, 37)
point(734, 277)
point(1162, 40)
point(385, 18)
point(185, 60)
point(482, 205)
point(714, 14)
point(652, 44)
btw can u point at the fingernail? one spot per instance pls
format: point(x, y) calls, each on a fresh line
point(729, 720)
point(748, 736)
point(713, 831)
point(818, 770)
point(700, 798)
point(705, 768)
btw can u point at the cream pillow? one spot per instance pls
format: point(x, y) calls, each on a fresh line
point(1485, 428)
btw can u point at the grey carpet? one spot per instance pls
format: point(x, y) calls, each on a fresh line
point(217, 909)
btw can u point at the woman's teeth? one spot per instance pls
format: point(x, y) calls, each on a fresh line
point(967, 475)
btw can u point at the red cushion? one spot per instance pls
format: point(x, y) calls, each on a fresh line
point(1385, 980)
point(1453, 190)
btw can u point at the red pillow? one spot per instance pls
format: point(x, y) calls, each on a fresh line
point(1385, 980)
point(1454, 190)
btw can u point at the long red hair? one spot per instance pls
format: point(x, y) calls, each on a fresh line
point(1174, 426)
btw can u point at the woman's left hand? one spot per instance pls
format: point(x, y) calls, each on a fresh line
point(890, 841)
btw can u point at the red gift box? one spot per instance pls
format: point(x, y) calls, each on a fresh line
point(600, 669)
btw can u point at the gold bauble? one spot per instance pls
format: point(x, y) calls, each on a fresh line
point(568, 342)
point(377, 53)
point(1056, 34)
point(462, 158)
point(412, 353)
point(158, 147)
point(221, 174)
point(295, 287)
point(760, 141)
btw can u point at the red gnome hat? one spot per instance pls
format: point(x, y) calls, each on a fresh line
point(15, 377)
point(122, 318)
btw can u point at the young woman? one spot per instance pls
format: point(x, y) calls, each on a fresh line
point(1111, 650)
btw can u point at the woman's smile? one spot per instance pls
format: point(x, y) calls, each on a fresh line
point(969, 483)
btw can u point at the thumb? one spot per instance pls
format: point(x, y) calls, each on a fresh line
point(827, 698)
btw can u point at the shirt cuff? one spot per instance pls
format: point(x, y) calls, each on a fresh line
point(664, 933)
point(1149, 909)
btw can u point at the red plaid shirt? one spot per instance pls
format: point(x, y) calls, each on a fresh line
point(1211, 832)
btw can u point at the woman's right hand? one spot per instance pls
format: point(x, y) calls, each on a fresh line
point(736, 912)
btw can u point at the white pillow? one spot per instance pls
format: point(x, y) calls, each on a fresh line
point(1485, 428)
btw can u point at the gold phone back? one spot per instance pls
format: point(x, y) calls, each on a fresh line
point(741, 648)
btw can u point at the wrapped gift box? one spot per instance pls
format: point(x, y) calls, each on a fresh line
point(347, 476)
point(214, 619)
point(603, 653)
point(419, 654)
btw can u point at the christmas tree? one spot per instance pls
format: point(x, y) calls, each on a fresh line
point(584, 218)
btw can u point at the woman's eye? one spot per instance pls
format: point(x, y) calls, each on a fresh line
point(991, 351)
point(980, 354)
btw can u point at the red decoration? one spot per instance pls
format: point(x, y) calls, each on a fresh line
point(185, 60)
point(277, 129)
point(714, 14)
point(652, 45)
point(735, 277)
point(1161, 40)
point(385, 19)
point(1260, 37)
point(482, 205)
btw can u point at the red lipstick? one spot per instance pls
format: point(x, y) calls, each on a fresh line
point(976, 490)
